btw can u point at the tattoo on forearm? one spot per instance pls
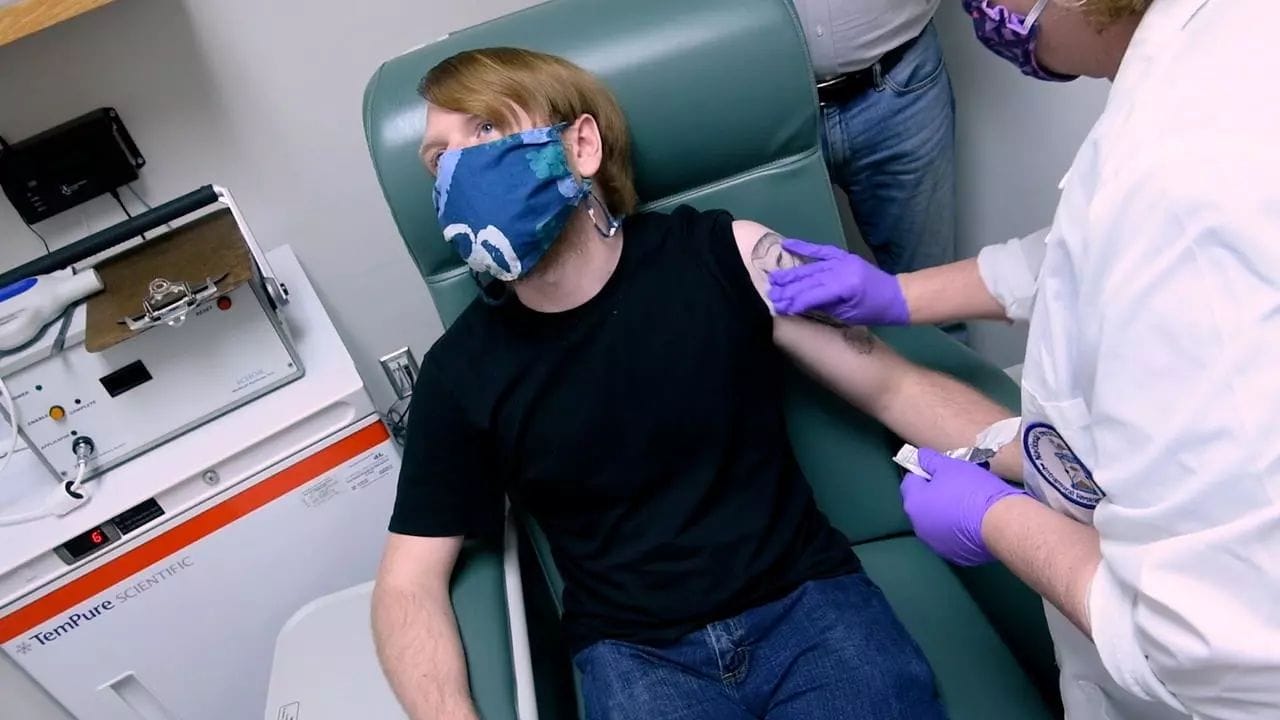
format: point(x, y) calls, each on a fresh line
point(768, 255)
point(860, 339)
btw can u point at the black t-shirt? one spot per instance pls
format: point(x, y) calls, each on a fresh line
point(643, 430)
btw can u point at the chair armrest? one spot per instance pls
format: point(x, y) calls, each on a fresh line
point(478, 592)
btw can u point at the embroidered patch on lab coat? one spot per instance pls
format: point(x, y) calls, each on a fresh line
point(1053, 458)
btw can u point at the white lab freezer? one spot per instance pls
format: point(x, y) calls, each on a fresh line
point(162, 597)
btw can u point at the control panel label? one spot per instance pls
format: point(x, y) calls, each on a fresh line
point(352, 477)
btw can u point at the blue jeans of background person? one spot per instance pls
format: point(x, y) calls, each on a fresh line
point(832, 649)
point(892, 150)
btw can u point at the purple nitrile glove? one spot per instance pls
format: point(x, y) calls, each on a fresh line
point(947, 510)
point(839, 284)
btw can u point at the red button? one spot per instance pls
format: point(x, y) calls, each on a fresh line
point(224, 303)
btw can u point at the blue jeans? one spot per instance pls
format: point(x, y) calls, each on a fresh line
point(832, 649)
point(892, 150)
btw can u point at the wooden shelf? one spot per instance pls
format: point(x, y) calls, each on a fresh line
point(25, 17)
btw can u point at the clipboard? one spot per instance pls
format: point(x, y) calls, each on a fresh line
point(210, 246)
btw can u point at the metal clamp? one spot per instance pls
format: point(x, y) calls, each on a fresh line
point(168, 303)
point(276, 290)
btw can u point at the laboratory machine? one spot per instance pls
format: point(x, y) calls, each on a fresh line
point(228, 487)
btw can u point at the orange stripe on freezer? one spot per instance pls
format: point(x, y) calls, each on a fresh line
point(171, 541)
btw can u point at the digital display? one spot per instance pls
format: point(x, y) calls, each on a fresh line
point(85, 543)
point(126, 378)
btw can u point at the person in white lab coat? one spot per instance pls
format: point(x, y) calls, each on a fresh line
point(1150, 522)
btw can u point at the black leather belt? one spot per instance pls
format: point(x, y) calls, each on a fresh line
point(843, 88)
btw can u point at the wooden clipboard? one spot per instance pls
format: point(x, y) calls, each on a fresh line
point(210, 246)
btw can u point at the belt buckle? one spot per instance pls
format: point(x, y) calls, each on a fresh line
point(830, 84)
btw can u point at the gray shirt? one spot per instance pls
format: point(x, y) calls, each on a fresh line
point(849, 35)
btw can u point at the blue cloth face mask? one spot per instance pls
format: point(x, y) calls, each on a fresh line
point(503, 204)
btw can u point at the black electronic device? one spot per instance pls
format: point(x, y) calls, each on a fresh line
point(67, 165)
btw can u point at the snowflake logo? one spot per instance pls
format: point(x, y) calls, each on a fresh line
point(24, 648)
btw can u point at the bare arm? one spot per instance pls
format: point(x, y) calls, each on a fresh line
point(999, 284)
point(948, 293)
point(415, 630)
point(920, 405)
point(1052, 553)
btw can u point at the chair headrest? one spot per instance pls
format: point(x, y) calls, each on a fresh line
point(711, 89)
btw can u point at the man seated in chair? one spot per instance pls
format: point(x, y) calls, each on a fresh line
point(623, 384)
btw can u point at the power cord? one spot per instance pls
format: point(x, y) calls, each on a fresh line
point(119, 201)
point(4, 145)
point(42, 240)
point(70, 494)
point(144, 202)
point(398, 420)
point(116, 194)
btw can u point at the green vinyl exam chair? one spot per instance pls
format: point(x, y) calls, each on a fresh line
point(723, 113)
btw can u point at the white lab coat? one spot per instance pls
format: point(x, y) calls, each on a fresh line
point(1151, 387)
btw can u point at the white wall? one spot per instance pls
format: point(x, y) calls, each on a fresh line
point(236, 92)
point(264, 98)
point(1015, 139)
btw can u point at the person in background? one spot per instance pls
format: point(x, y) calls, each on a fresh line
point(1151, 400)
point(888, 123)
